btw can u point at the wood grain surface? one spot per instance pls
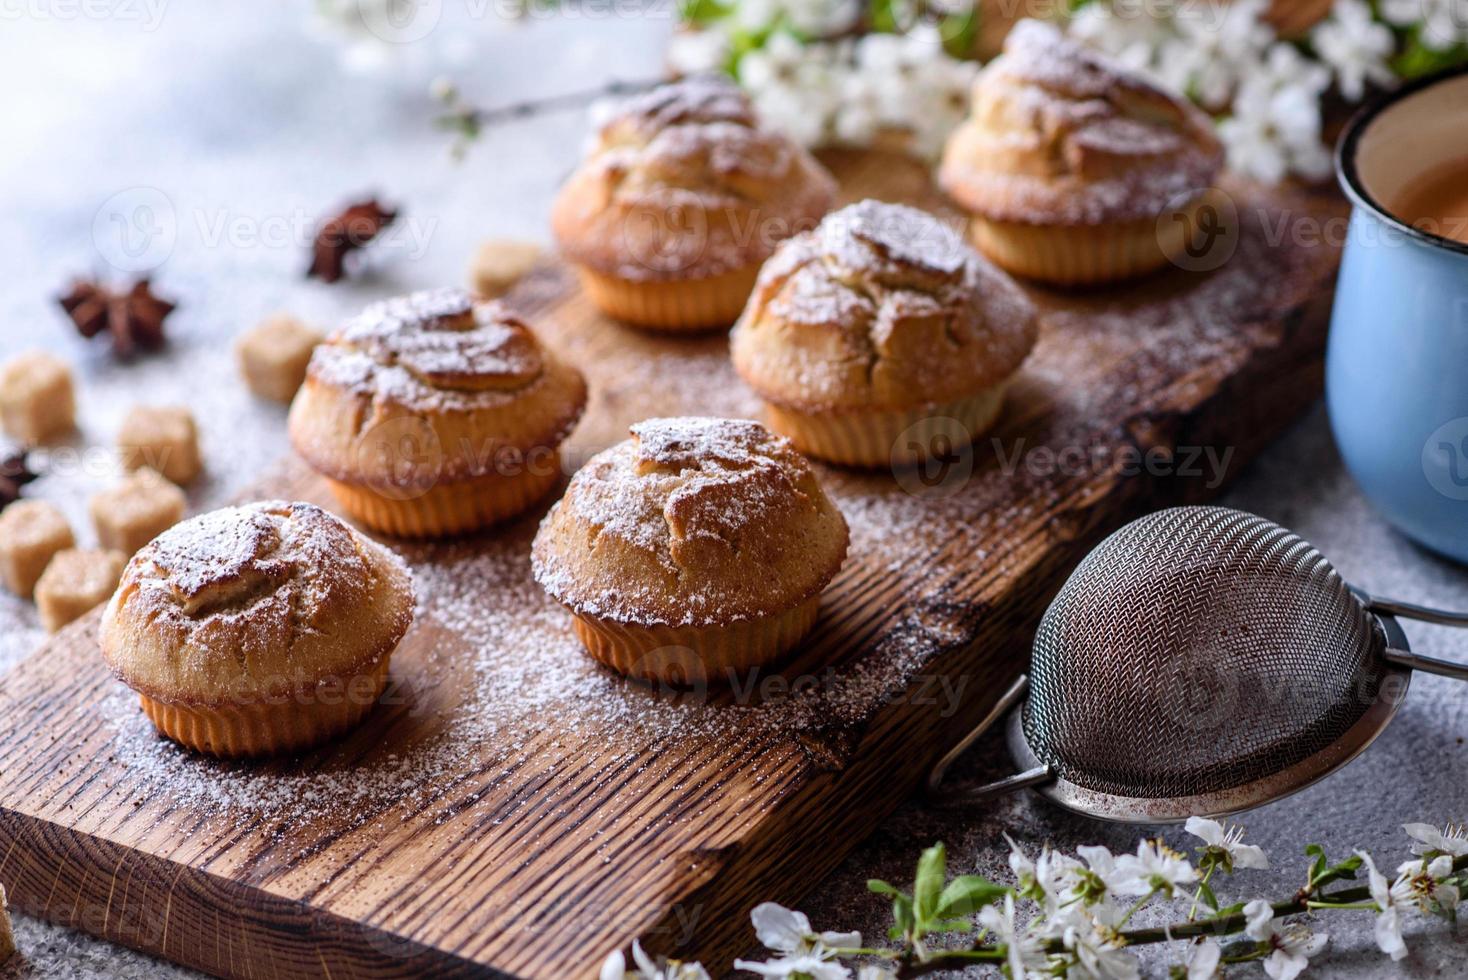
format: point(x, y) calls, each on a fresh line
point(472, 829)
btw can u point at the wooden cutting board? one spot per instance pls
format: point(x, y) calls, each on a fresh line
point(513, 810)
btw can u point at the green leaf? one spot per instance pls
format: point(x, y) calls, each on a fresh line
point(954, 925)
point(702, 11)
point(1209, 899)
point(1229, 910)
point(880, 887)
point(966, 894)
point(927, 885)
point(884, 17)
point(959, 32)
point(1317, 867)
point(1418, 58)
point(902, 917)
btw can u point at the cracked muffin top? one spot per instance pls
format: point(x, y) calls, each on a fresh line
point(691, 522)
point(434, 381)
point(881, 306)
point(683, 183)
point(254, 602)
point(1060, 134)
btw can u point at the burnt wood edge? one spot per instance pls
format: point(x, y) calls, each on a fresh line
point(137, 900)
point(901, 743)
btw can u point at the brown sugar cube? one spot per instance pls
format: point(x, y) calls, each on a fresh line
point(7, 936)
point(274, 354)
point(37, 401)
point(31, 532)
point(162, 438)
point(74, 583)
point(498, 265)
point(136, 511)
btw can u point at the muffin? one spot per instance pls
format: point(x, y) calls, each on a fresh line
point(1074, 170)
point(257, 630)
point(695, 549)
point(430, 415)
point(680, 200)
point(881, 338)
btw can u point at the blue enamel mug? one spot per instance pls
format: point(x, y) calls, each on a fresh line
point(1396, 371)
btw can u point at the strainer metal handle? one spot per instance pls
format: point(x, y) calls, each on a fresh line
point(1424, 614)
point(1043, 774)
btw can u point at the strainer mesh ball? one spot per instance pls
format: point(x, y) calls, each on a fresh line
point(1197, 650)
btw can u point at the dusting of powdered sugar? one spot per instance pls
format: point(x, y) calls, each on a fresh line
point(1100, 143)
point(504, 683)
point(434, 350)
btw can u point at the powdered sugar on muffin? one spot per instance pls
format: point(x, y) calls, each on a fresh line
point(1060, 134)
point(692, 521)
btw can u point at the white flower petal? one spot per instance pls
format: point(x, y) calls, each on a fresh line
point(778, 928)
point(615, 967)
point(1260, 918)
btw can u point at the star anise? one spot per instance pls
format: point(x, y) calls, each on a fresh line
point(15, 472)
point(345, 233)
point(134, 317)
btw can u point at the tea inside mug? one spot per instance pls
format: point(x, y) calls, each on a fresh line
point(1436, 201)
point(1412, 159)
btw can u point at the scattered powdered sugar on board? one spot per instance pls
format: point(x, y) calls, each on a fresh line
point(501, 689)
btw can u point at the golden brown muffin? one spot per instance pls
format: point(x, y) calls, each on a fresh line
point(257, 630)
point(431, 416)
point(1074, 170)
point(881, 338)
point(679, 202)
point(696, 548)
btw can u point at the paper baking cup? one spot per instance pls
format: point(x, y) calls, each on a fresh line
point(882, 439)
point(1084, 255)
point(689, 656)
point(448, 509)
point(687, 305)
point(277, 727)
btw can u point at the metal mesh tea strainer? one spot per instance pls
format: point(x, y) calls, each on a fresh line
point(1201, 661)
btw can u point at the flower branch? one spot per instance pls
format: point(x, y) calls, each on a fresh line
point(1079, 908)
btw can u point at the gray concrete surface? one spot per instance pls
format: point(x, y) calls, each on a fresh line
point(234, 128)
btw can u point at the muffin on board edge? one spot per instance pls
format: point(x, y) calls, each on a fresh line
point(257, 630)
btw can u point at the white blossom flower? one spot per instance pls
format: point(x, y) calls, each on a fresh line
point(805, 966)
point(1225, 844)
point(695, 52)
point(805, 951)
point(1093, 883)
point(1132, 37)
point(615, 967)
point(1422, 882)
point(1204, 960)
point(1275, 126)
point(1050, 879)
point(1154, 868)
point(1290, 947)
point(1356, 46)
point(787, 931)
point(1388, 913)
point(1216, 48)
point(1442, 23)
point(1023, 951)
point(822, 18)
point(1449, 840)
point(1097, 951)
